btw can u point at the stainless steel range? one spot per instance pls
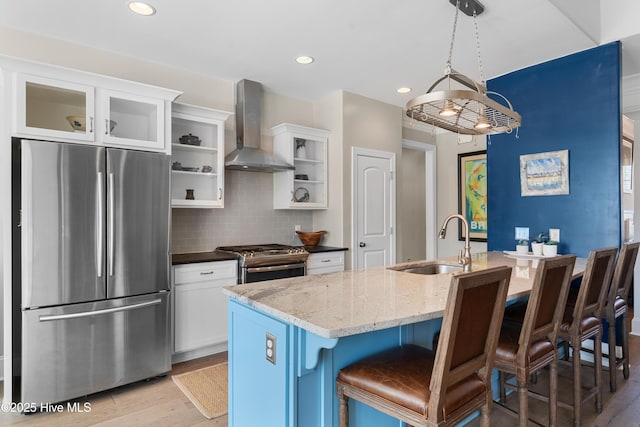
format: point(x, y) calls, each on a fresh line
point(267, 262)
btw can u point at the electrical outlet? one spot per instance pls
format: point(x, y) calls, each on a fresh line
point(270, 348)
point(554, 234)
point(522, 233)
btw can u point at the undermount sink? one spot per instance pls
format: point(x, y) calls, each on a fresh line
point(431, 268)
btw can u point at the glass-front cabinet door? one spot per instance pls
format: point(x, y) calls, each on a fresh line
point(132, 120)
point(54, 108)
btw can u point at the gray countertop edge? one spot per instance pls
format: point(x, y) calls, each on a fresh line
point(321, 249)
point(196, 257)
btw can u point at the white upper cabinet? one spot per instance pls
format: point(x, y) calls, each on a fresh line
point(73, 106)
point(197, 139)
point(306, 186)
point(132, 120)
point(54, 109)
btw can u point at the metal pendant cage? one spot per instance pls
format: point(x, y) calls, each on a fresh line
point(472, 111)
point(465, 111)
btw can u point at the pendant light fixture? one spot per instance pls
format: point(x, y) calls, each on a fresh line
point(464, 111)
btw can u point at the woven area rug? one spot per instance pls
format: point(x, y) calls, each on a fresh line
point(206, 388)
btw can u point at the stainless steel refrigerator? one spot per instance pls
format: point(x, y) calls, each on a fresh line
point(94, 268)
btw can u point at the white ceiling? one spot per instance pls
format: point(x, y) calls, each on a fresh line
point(366, 47)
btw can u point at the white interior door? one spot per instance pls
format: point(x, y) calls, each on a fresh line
point(373, 208)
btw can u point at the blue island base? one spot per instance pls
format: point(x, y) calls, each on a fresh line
point(298, 389)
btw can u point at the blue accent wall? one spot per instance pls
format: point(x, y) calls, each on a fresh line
point(570, 103)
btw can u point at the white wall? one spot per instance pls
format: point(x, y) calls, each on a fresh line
point(412, 225)
point(199, 89)
point(367, 124)
point(328, 113)
point(635, 116)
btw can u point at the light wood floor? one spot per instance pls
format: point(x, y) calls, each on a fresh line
point(620, 409)
point(160, 403)
point(157, 402)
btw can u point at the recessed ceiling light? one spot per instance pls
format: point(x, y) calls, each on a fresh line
point(403, 90)
point(304, 59)
point(142, 8)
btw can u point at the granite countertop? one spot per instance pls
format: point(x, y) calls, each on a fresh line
point(347, 303)
point(201, 257)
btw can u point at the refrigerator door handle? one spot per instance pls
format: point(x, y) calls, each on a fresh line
point(100, 223)
point(111, 222)
point(99, 312)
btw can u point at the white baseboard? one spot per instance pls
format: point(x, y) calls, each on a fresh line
point(200, 352)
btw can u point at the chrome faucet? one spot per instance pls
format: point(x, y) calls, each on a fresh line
point(464, 257)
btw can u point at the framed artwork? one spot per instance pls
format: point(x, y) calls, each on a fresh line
point(472, 194)
point(544, 174)
point(627, 166)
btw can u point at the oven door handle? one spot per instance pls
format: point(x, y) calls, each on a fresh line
point(275, 268)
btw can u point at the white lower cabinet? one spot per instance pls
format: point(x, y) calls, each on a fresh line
point(325, 262)
point(200, 308)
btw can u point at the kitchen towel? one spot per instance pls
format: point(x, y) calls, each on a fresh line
point(206, 388)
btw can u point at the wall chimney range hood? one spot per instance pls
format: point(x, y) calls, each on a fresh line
point(248, 156)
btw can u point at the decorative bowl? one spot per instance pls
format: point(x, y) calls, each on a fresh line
point(79, 123)
point(310, 238)
point(189, 140)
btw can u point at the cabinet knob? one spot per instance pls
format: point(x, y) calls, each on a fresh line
point(106, 126)
point(362, 244)
point(90, 124)
point(219, 193)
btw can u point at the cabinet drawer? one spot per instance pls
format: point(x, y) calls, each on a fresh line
point(202, 271)
point(325, 262)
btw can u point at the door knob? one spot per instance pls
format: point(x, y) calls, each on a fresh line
point(362, 244)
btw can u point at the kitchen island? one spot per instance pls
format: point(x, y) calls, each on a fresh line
point(289, 338)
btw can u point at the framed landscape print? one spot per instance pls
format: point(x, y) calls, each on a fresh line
point(544, 174)
point(472, 194)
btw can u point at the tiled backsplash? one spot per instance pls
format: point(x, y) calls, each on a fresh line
point(248, 217)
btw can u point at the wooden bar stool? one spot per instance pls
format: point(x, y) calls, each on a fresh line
point(421, 388)
point(527, 345)
point(617, 307)
point(583, 321)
